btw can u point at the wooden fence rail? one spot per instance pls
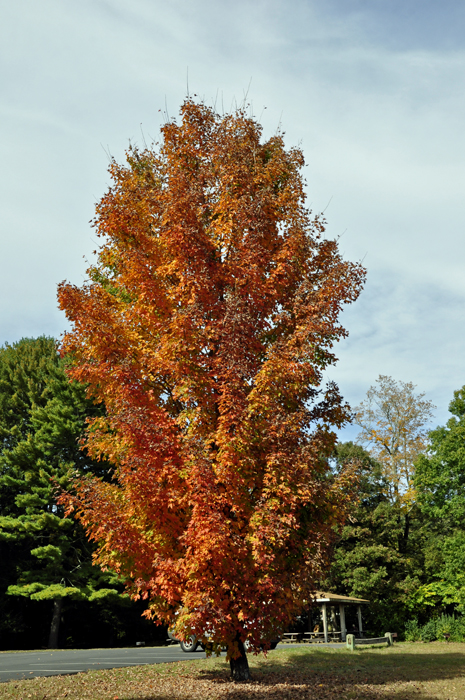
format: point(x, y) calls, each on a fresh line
point(352, 641)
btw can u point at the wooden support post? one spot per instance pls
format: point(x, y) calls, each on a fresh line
point(359, 614)
point(325, 621)
point(342, 618)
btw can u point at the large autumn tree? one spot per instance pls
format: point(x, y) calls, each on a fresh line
point(205, 327)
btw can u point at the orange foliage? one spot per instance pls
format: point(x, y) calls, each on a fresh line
point(205, 327)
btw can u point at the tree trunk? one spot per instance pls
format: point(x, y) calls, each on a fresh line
point(406, 529)
point(403, 539)
point(240, 666)
point(55, 626)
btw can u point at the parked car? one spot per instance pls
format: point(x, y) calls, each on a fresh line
point(191, 644)
point(188, 645)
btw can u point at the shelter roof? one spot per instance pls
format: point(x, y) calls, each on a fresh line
point(323, 597)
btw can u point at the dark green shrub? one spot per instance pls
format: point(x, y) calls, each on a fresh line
point(428, 633)
point(457, 633)
point(412, 631)
point(436, 629)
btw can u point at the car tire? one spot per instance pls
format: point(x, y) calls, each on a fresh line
point(190, 644)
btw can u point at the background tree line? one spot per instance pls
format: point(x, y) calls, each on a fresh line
point(403, 546)
point(50, 593)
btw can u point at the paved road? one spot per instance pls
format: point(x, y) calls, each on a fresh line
point(29, 664)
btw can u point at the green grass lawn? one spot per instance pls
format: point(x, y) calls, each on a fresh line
point(421, 671)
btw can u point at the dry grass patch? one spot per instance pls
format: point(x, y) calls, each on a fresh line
point(422, 671)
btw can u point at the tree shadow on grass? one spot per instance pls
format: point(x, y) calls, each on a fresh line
point(323, 676)
point(337, 676)
point(283, 688)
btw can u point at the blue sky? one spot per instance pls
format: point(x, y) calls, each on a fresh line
point(371, 90)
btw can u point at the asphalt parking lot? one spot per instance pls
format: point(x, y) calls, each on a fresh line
point(29, 664)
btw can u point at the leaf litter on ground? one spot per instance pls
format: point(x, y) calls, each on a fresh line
point(433, 671)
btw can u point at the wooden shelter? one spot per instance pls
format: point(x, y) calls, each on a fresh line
point(328, 600)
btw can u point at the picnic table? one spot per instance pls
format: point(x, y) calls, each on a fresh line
point(292, 637)
point(315, 637)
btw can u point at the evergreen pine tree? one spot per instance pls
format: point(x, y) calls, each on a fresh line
point(45, 556)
